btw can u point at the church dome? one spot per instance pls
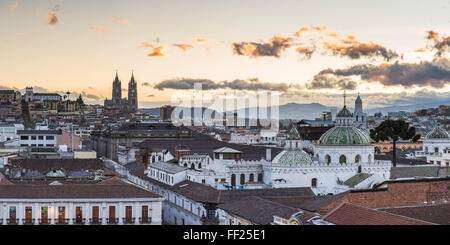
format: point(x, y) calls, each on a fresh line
point(344, 136)
point(292, 157)
point(344, 112)
point(437, 133)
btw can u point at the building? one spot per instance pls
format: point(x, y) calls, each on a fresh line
point(436, 147)
point(122, 104)
point(359, 117)
point(79, 204)
point(8, 133)
point(38, 138)
point(165, 112)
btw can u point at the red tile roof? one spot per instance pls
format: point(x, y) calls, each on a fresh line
point(350, 214)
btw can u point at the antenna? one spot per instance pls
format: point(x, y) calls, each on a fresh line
point(344, 98)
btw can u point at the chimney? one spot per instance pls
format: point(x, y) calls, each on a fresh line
point(268, 154)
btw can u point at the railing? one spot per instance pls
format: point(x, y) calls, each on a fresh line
point(44, 221)
point(112, 220)
point(147, 220)
point(97, 221)
point(12, 221)
point(61, 221)
point(129, 220)
point(28, 221)
point(79, 222)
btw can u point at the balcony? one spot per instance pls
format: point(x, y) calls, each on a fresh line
point(44, 221)
point(61, 221)
point(28, 221)
point(112, 221)
point(129, 220)
point(145, 220)
point(79, 221)
point(97, 221)
point(12, 221)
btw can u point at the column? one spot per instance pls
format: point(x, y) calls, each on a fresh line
point(19, 213)
point(70, 213)
point(120, 213)
point(36, 213)
point(102, 212)
point(136, 213)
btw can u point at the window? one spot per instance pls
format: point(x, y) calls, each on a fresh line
point(203, 181)
point(233, 180)
point(357, 158)
point(314, 183)
point(44, 214)
point(260, 177)
point(342, 159)
point(41, 137)
point(328, 159)
point(24, 137)
point(12, 214)
point(251, 178)
point(242, 179)
point(33, 137)
point(50, 137)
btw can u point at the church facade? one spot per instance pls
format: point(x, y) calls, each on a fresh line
point(125, 105)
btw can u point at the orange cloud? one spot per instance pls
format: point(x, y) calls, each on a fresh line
point(158, 52)
point(420, 50)
point(258, 49)
point(120, 20)
point(308, 29)
point(147, 45)
point(51, 18)
point(14, 6)
point(184, 47)
point(100, 29)
point(204, 41)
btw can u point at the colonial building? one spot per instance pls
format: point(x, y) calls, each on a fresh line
point(436, 147)
point(123, 104)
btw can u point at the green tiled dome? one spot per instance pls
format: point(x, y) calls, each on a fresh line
point(437, 133)
point(344, 136)
point(295, 156)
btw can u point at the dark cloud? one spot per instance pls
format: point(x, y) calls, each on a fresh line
point(146, 84)
point(307, 52)
point(425, 74)
point(272, 48)
point(151, 95)
point(356, 50)
point(323, 81)
point(441, 43)
point(237, 84)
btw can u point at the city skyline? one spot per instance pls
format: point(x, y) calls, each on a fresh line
point(395, 53)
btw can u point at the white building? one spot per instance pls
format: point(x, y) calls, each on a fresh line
point(80, 204)
point(436, 147)
point(8, 133)
point(268, 136)
point(39, 138)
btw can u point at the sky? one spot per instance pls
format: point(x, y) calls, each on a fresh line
point(391, 52)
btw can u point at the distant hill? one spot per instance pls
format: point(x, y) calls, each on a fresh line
point(314, 110)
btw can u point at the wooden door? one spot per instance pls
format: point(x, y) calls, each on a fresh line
point(61, 214)
point(78, 214)
point(112, 213)
point(12, 214)
point(233, 180)
point(28, 214)
point(128, 213)
point(145, 213)
point(44, 214)
point(95, 214)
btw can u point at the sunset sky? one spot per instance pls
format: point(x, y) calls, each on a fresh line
point(392, 52)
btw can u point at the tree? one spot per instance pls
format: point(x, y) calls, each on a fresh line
point(393, 130)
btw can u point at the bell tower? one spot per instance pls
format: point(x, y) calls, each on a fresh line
point(132, 94)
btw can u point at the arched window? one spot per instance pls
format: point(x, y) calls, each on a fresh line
point(242, 179)
point(199, 165)
point(192, 166)
point(185, 165)
point(260, 177)
point(159, 158)
point(328, 159)
point(251, 178)
point(314, 183)
point(357, 158)
point(436, 149)
point(153, 158)
point(342, 159)
point(233, 180)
